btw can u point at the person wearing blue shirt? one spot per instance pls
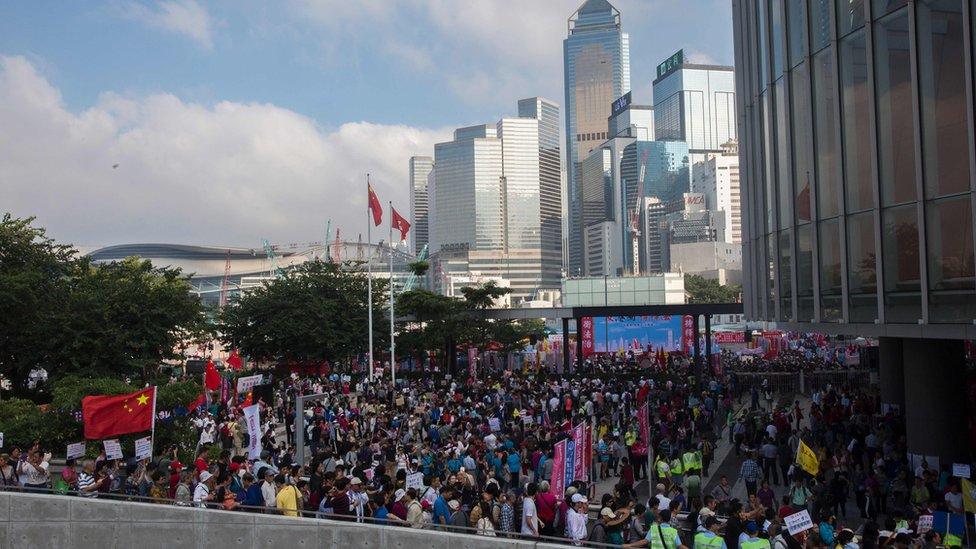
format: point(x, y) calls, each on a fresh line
point(442, 513)
point(454, 464)
point(707, 537)
point(380, 512)
point(252, 492)
point(514, 463)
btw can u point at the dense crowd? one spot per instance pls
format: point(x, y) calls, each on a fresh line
point(476, 455)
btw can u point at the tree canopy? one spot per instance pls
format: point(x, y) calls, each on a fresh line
point(704, 290)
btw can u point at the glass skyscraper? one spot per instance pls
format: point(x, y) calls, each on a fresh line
point(596, 65)
point(858, 176)
point(695, 104)
point(420, 168)
point(550, 186)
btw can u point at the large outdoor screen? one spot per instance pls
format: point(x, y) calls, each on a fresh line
point(635, 333)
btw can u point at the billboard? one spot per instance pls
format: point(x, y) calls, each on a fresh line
point(636, 333)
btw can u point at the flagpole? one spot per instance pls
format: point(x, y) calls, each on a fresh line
point(392, 341)
point(152, 430)
point(369, 279)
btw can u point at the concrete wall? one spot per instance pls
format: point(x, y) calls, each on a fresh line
point(47, 521)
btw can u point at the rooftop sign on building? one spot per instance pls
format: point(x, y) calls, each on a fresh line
point(671, 64)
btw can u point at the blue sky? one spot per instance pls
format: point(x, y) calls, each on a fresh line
point(188, 95)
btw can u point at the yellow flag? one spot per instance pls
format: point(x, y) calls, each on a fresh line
point(807, 459)
point(969, 496)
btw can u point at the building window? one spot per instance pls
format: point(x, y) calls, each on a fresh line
point(949, 235)
point(942, 81)
point(804, 273)
point(771, 275)
point(776, 24)
point(882, 7)
point(785, 276)
point(819, 24)
point(850, 16)
point(763, 8)
point(854, 113)
point(796, 22)
point(825, 126)
point(802, 142)
point(862, 280)
point(784, 180)
point(830, 275)
point(900, 262)
point(896, 131)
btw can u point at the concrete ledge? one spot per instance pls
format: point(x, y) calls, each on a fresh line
point(40, 521)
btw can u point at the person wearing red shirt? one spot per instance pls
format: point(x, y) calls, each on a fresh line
point(545, 502)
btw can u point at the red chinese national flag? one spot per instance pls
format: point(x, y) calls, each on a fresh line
point(399, 223)
point(211, 379)
point(107, 416)
point(374, 206)
point(234, 360)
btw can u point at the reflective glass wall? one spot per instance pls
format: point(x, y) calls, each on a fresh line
point(857, 153)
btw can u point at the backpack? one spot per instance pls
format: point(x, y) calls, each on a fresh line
point(598, 534)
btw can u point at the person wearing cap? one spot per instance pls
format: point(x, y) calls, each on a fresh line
point(268, 489)
point(358, 499)
point(576, 518)
point(203, 492)
point(660, 534)
point(750, 538)
point(708, 537)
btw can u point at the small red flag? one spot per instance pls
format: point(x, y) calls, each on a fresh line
point(234, 360)
point(374, 206)
point(106, 416)
point(200, 401)
point(399, 223)
point(211, 379)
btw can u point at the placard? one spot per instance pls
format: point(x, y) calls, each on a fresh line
point(144, 447)
point(1, 440)
point(415, 481)
point(528, 420)
point(76, 450)
point(798, 522)
point(924, 523)
point(252, 417)
point(399, 401)
point(246, 383)
point(495, 424)
point(961, 470)
point(113, 450)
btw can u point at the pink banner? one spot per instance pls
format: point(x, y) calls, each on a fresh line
point(687, 333)
point(579, 465)
point(588, 456)
point(558, 484)
point(645, 427)
point(728, 337)
point(586, 332)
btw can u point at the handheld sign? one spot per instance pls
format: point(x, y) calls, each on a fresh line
point(925, 523)
point(144, 447)
point(961, 470)
point(415, 480)
point(495, 424)
point(798, 522)
point(76, 450)
point(113, 450)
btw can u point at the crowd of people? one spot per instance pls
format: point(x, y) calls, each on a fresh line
point(476, 455)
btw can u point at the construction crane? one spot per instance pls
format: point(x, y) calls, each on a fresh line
point(635, 217)
point(328, 233)
point(274, 270)
point(413, 278)
point(225, 285)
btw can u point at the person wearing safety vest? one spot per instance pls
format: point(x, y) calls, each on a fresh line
point(709, 538)
point(688, 461)
point(662, 469)
point(660, 534)
point(677, 469)
point(750, 538)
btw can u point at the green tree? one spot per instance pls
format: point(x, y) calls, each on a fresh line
point(317, 311)
point(704, 290)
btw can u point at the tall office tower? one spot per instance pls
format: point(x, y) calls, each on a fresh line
point(717, 177)
point(467, 197)
point(629, 120)
point(596, 65)
point(695, 104)
point(546, 112)
point(420, 168)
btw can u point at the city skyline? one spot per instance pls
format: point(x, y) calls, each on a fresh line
point(225, 133)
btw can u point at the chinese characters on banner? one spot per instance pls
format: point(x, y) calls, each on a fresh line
point(588, 455)
point(252, 417)
point(579, 443)
point(570, 463)
point(645, 427)
point(559, 470)
point(586, 331)
point(472, 362)
point(687, 333)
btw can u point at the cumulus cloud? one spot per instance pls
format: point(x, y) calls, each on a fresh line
point(225, 174)
point(185, 17)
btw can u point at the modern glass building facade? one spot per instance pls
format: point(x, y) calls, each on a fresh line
point(857, 158)
point(596, 65)
point(696, 104)
point(420, 168)
point(546, 112)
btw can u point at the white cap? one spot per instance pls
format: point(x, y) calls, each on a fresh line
point(205, 476)
point(579, 498)
point(355, 481)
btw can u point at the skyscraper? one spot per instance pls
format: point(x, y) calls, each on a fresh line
point(596, 65)
point(420, 168)
point(695, 104)
point(550, 185)
point(717, 177)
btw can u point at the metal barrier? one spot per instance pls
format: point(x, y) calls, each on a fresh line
point(806, 382)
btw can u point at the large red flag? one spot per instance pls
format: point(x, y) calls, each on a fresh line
point(374, 206)
point(211, 379)
point(234, 360)
point(106, 416)
point(399, 223)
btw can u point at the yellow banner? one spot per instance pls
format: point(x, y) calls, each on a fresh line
point(969, 496)
point(807, 459)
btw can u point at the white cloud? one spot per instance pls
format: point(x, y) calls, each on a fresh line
point(186, 17)
point(226, 174)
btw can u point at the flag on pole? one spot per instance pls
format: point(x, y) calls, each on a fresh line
point(211, 378)
point(399, 223)
point(107, 416)
point(375, 208)
point(968, 496)
point(807, 459)
point(234, 360)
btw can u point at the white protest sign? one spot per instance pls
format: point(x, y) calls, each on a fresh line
point(961, 470)
point(1, 440)
point(528, 420)
point(113, 450)
point(924, 523)
point(798, 522)
point(252, 416)
point(246, 383)
point(495, 424)
point(76, 450)
point(144, 447)
point(415, 480)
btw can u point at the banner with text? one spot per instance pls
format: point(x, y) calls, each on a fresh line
point(252, 416)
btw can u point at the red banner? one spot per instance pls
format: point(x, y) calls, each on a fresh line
point(588, 455)
point(728, 337)
point(644, 422)
point(687, 333)
point(579, 462)
point(472, 362)
point(586, 332)
point(558, 484)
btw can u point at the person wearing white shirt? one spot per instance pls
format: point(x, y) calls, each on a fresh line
point(576, 519)
point(202, 492)
point(530, 520)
